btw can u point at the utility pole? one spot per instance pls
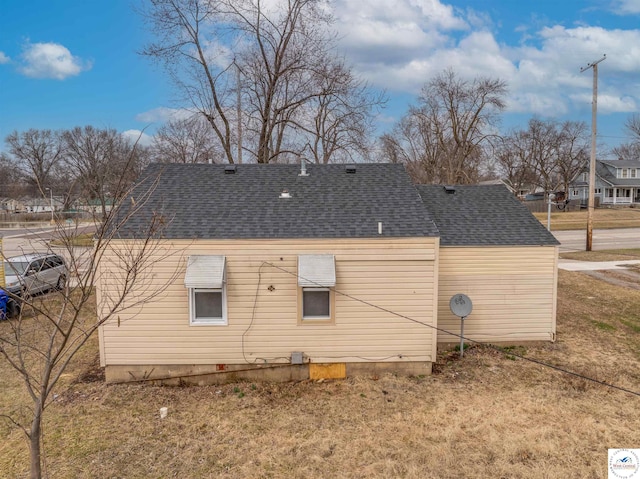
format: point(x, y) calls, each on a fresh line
point(592, 163)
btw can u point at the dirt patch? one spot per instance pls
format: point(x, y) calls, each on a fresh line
point(93, 372)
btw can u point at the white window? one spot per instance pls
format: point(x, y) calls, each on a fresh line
point(625, 173)
point(575, 193)
point(205, 279)
point(316, 279)
point(634, 172)
point(597, 191)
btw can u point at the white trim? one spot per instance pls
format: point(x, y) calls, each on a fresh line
point(211, 321)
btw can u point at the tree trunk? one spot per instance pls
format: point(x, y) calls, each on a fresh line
point(34, 444)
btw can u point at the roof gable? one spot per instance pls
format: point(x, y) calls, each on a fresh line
point(475, 215)
point(212, 201)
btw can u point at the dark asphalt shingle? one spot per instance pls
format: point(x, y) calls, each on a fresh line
point(201, 201)
point(479, 215)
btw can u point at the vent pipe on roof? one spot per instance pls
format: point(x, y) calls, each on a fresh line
point(285, 194)
point(303, 167)
point(379, 227)
point(210, 161)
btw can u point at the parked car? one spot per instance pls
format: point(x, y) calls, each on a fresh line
point(535, 196)
point(31, 274)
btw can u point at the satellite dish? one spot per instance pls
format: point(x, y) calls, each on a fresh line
point(460, 305)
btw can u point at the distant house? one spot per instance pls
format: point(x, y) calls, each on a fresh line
point(10, 205)
point(617, 183)
point(42, 205)
point(503, 182)
point(494, 251)
point(94, 206)
point(339, 268)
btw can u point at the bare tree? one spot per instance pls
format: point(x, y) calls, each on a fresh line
point(547, 154)
point(37, 153)
point(104, 163)
point(50, 330)
point(445, 136)
point(633, 126)
point(273, 56)
point(631, 149)
point(11, 185)
point(342, 117)
point(541, 142)
point(572, 154)
point(627, 151)
point(514, 161)
point(185, 140)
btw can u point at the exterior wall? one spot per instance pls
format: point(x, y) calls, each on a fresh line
point(513, 291)
point(398, 275)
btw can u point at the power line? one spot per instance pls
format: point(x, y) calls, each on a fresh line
point(481, 343)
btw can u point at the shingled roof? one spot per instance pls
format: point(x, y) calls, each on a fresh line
point(474, 215)
point(243, 201)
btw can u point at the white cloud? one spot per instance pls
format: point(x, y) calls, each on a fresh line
point(4, 58)
point(51, 60)
point(401, 47)
point(375, 31)
point(163, 114)
point(626, 7)
point(138, 136)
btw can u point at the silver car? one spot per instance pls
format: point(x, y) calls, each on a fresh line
point(31, 274)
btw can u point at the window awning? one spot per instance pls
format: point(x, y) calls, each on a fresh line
point(316, 270)
point(205, 272)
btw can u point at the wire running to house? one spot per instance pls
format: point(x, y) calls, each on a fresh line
point(465, 338)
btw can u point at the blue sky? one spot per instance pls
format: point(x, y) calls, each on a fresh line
point(66, 63)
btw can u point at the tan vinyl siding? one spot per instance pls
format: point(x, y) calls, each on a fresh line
point(513, 290)
point(394, 274)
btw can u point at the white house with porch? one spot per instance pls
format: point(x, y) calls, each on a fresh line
point(617, 183)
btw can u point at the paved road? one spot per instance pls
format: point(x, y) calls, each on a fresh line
point(602, 239)
point(30, 240)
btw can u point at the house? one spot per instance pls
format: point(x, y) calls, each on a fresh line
point(43, 205)
point(94, 205)
point(617, 183)
point(494, 251)
point(12, 205)
point(332, 270)
point(499, 181)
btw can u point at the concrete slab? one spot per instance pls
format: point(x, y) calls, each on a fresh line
point(575, 265)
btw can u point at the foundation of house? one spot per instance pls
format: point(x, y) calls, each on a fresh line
point(204, 375)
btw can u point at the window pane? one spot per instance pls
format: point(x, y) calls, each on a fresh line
point(208, 304)
point(315, 304)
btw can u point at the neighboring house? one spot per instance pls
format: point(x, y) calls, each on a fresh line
point(503, 182)
point(10, 205)
point(42, 205)
point(617, 183)
point(275, 267)
point(336, 272)
point(494, 251)
point(94, 205)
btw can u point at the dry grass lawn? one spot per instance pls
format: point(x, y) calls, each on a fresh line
point(489, 415)
point(603, 218)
